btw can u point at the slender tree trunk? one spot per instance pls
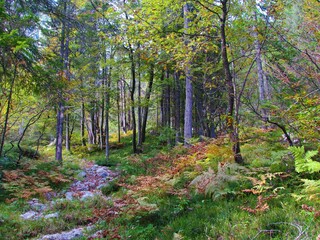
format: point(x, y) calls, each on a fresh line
point(163, 101)
point(133, 87)
point(4, 130)
point(61, 107)
point(262, 85)
point(189, 88)
point(107, 106)
point(118, 111)
point(158, 109)
point(67, 131)
point(59, 136)
point(123, 106)
point(92, 123)
point(82, 122)
point(102, 120)
point(228, 78)
point(139, 105)
point(177, 106)
point(67, 74)
point(147, 99)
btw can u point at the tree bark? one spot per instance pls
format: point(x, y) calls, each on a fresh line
point(262, 84)
point(234, 138)
point(59, 135)
point(82, 122)
point(4, 130)
point(107, 106)
point(118, 111)
point(177, 106)
point(189, 88)
point(133, 87)
point(67, 131)
point(139, 105)
point(146, 107)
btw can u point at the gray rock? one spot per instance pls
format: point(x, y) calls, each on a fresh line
point(97, 235)
point(102, 172)
point(87, 195)
point(69, 195)
point(52, 215)
point(82, 174)
point(30, 215)
point(38, 207)
point(102, 185)
point(74, 233)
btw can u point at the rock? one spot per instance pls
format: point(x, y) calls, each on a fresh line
point(102, 172)
point(69, 195)
point(38, 207)
point(98, 235)
point(103, 185)
point(82, 174)
point(74, 233)
point(52, 215)
point(87, 195)
point(30, 215)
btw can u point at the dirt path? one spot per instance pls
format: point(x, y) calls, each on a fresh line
point(90, 181)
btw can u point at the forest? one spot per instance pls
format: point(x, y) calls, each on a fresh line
point(159, 119)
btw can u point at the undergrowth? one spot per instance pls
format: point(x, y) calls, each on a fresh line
point(184, 193)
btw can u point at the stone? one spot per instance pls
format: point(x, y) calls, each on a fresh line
point(74, 233)
point(103, 185)
point(30, 215)
point(82, 174)
point(98, 235)
point(38, 207)
point(52, 215)
point(87, 195)
point(69, 195)
point(102, 172)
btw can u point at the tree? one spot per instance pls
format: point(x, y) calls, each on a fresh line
point(189, 88)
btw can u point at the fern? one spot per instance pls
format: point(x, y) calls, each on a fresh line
point(225, 181)
point(304, 163)
point(303, 160)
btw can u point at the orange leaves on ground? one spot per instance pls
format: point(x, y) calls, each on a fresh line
point(311, 209)
point(147, 184)
point(9, 176)
point(27, 182)
point(261, 206)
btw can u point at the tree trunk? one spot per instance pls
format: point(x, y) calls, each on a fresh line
point(107, 106)
point(67, 132)
point(262, 85)
point(228, 79)
point(102, 120)
point(163, 101)
point(189, 88)
point(177, 106)
point(133, 86)
point(59, 135)
point(146, 107)
point(82, 122)
point(4, 130)
point(118, 111)
point(139, 105)
point(123, 106)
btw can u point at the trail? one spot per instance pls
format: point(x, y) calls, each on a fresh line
point(91, 179)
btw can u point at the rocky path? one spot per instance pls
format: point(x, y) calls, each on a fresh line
point(90, 181)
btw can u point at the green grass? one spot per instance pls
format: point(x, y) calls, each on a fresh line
point(192, 216)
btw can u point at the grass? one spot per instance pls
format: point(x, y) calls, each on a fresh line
point(153, 198)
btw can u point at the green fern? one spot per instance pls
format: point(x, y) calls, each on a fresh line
point(303, 160)
point(227, 180)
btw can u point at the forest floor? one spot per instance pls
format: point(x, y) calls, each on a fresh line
point(164, 193)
